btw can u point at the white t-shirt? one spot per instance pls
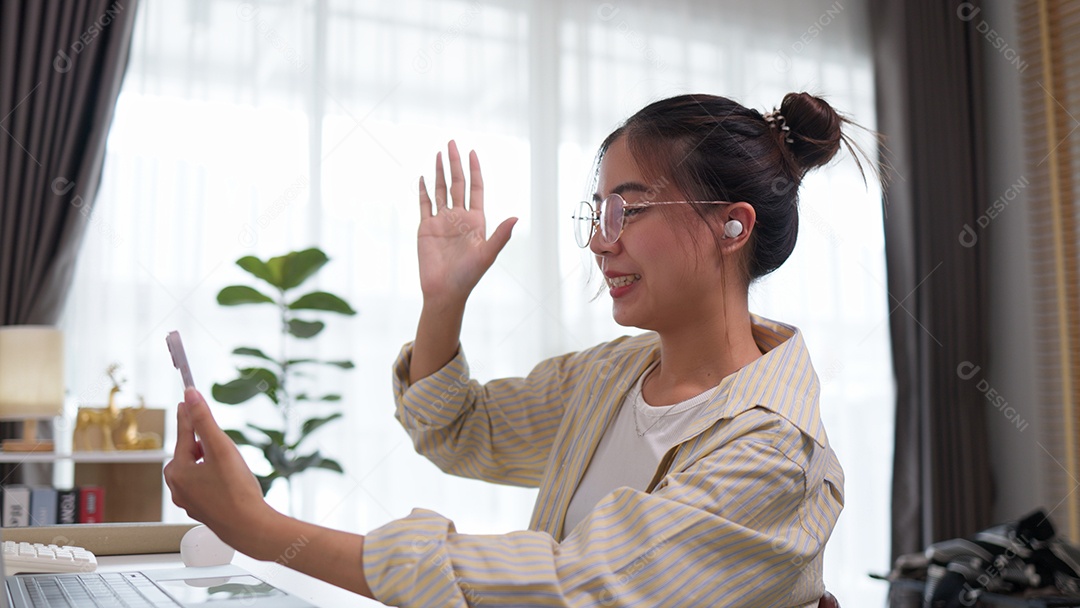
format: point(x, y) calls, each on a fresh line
point(631, 448)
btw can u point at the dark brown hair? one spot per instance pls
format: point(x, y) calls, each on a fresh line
point(712, 148)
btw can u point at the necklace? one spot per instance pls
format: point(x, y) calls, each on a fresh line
point(682, 406)
point(641, 393)
point(637, 427)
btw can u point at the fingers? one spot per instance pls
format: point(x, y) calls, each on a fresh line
point(440, 183)
point(186, 445)
point(202, 421)
point(457, 177)
point(425, 200)
point(476, 183)
point(500, 237)
point(456, 196)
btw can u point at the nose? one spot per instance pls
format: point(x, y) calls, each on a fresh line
point(599, 246)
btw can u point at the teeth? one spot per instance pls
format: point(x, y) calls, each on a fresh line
point(623, 281)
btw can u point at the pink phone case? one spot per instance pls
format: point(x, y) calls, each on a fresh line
point(179, 359)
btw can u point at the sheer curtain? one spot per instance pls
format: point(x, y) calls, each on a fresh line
point(258, 128)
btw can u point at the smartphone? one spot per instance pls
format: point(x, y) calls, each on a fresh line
point(179, 359)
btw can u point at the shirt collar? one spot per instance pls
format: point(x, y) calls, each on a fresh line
point(782, 381)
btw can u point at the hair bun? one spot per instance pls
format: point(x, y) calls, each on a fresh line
point(815, 129)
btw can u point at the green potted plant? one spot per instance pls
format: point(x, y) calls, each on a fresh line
point(276, 377)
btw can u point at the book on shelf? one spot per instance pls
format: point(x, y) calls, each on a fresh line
point(16, 506)
point(91, 504)
point(24, 505)
point(42, 506)
point(67, 502)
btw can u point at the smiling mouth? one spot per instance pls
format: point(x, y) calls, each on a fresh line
point(622, 281)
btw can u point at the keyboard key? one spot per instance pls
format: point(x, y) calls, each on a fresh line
point(38, 557)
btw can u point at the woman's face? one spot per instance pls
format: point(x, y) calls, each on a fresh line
point(664, 270)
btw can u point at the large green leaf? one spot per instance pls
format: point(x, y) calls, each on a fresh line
point(330, 465)
point(267, 380)
point(252, 352)
point(306, 462)
point(277, 270)
point(305, 329)
point(279, 460)
point(307, 397)
point(312, 424)
point(235, 295)
point(274, 435)
point(235, 392)
point(316, 461)
point(258, 268)
point(341, 364)
point(238, 437)
point(252, 381)
point(298, 266)
point(321, 300)
point(292, 362)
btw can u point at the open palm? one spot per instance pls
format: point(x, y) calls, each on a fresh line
point(453, 249)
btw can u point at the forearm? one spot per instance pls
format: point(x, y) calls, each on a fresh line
point(210, 481)
point(438, 336)
point(330, 555)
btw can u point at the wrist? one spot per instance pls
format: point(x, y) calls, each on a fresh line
point(444, 305)
point(269, 534)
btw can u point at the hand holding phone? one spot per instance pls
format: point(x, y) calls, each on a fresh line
point(179, 358)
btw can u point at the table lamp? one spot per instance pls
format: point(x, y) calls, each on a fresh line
point(31, 381)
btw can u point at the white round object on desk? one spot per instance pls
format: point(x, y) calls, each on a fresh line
point(201, 547)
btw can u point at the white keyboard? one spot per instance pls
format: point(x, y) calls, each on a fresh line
point(27, 557)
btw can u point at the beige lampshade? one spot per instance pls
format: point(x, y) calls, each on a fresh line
point(31, 371)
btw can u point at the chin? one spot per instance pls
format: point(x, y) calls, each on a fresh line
point(625, 319)
point(621, 318)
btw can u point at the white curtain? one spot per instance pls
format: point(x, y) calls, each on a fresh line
point(259, 128)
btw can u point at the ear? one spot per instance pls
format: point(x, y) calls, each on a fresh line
point(734, 240)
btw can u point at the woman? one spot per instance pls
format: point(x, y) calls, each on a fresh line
point(686, 466)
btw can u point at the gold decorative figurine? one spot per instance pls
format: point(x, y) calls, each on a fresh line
point(130, 438)
point(104, 418)
point(118, 428)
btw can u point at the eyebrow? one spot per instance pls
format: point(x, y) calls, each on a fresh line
point(623, 188)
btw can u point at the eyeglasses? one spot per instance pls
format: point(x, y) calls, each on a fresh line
point(611, 214)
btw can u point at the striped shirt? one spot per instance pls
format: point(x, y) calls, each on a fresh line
point(737, 513)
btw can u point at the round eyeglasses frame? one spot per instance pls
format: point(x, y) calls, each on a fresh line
point(610, 215)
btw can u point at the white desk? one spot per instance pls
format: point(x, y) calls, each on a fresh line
point(313, 590)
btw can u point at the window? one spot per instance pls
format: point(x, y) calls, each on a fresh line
point(258, 128)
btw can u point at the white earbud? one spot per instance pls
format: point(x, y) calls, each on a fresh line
point(732, 229)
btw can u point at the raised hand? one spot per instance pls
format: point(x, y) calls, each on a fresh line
point(453, 248)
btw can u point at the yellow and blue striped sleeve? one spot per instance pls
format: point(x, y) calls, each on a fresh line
point(729, 525)
point(501, 431)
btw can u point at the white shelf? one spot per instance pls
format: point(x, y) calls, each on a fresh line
point(117, 456)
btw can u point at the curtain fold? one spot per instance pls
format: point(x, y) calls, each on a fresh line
point(61, 67)
point(928, 86)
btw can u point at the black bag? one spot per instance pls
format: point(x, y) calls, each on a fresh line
point(1010, 558)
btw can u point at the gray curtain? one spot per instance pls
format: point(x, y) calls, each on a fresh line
point(930, 111)
point(61, 64)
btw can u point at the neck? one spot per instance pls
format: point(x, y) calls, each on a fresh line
point(695, 357)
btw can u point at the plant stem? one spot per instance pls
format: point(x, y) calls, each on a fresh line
point(285, 401)
point(284, 396)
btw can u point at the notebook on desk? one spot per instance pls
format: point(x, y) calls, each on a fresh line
point(218, 586)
